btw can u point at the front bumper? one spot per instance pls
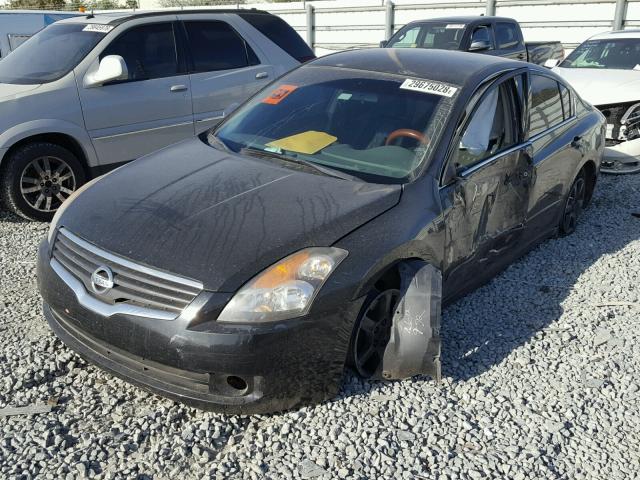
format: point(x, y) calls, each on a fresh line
point(622, 158)
point(238, 369)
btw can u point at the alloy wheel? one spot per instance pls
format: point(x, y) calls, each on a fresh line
point(574, 205)
point(46, 182)
point(373, 332)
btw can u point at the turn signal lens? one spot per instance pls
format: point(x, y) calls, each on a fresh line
point(284, 290)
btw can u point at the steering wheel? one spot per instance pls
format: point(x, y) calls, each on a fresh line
point(406, 132)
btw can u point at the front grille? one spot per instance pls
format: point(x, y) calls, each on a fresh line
point(134, 284)
point(614, 114)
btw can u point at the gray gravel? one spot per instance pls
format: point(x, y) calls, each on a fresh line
point(541, 367)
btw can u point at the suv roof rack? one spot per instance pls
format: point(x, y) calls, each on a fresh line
point(237, 11)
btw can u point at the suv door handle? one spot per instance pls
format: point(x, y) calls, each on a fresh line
point(260, 75)
point(179, 88)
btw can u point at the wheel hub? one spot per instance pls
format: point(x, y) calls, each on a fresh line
point(46, 183)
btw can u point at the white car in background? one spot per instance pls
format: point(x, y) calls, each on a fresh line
point(605, 71)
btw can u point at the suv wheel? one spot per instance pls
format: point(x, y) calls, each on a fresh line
point(38, 178)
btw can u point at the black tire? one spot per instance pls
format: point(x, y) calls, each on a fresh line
point(371, 332)
point(36, 178)
point(574, 204)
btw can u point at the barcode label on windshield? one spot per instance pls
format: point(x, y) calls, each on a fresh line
point(426, 86)
point(96, 27)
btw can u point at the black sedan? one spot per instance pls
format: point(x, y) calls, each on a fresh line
point(322, 224)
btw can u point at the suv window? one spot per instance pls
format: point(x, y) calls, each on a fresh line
point(280, 33)
point(507, 35)
point(546, 105)
point(215, 45)
point(492, 127)
point(482, 34)
point(148, 50)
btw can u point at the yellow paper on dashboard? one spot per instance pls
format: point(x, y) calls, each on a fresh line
point(309, 142)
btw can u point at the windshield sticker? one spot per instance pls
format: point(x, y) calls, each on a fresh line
point(345, 96)
point(426, 86)
point(96, 27)
point(309, 142)
point(279, 94)
point(455, 25)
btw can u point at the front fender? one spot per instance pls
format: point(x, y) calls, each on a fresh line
point(414, 345)
point(19, 132)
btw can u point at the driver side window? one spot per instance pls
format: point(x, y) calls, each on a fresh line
point(482, 34)
point(148, 50)
point(492, 128)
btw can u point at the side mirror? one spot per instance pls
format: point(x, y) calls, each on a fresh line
point(110, 69)
point(479, 45)
point(552, 62)
point(383, 43)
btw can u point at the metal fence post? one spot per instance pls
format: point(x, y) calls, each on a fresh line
point(620, 15)
point(491, 8)
point(388, 20)
point(311, 27)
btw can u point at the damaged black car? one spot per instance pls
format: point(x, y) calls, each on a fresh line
point(321, 226)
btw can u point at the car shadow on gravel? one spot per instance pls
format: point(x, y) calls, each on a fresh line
point(9, 217)
point(480, 330)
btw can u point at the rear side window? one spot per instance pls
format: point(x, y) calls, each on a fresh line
point(567, 109)
point(148, 50)
point(280, 33)
point(215, 45)
point(546, 104)
point(507, 35)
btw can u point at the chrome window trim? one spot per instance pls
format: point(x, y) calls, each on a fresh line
point(493, 158)
point(104, 309)
point(127, 263)
point(537, 136)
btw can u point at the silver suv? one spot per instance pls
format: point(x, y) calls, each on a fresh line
point(89, 93)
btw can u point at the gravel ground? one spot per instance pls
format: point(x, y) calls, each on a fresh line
point(541, 380)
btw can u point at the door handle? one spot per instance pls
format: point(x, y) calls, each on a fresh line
point(179, 88)
point(261, 75)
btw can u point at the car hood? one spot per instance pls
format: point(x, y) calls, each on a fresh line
point(218, 217)
point(603, 87)
point(9, 91)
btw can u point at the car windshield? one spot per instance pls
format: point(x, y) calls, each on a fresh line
point(619, 54)
point(50, 54)
point(445, 36)
point(378, 127)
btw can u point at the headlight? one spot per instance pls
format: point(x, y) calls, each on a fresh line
point(284, 290)
point(65, 205)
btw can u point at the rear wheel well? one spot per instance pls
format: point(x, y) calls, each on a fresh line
point(61, 139)
point(590, 172)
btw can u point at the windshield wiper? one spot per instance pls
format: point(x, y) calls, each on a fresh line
point(329, 172)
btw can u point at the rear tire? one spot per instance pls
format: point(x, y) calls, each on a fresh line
point(37, 178)
point(574, 204)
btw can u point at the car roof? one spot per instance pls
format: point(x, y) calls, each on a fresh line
point(119, 17)
point(631, 33)
point(466, 19)
point(457, 68)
